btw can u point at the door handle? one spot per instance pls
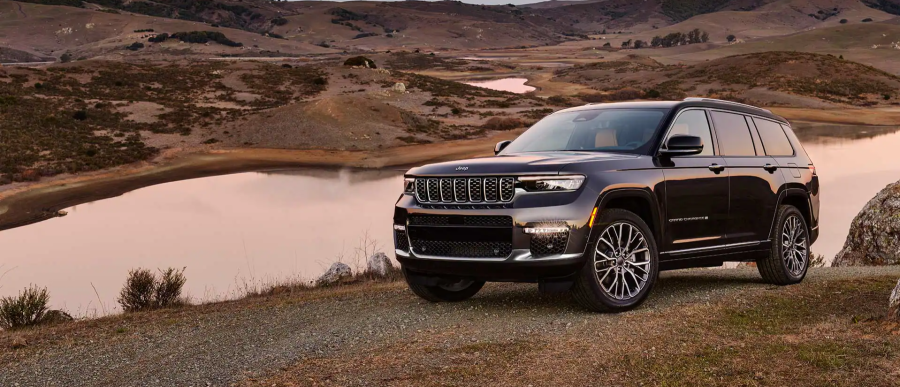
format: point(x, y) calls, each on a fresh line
point(716, 168)
point(771, 168)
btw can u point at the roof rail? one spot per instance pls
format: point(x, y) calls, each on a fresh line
point(699, 99)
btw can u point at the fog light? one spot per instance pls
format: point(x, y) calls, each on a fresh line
point(545, 230)
point(399, 227)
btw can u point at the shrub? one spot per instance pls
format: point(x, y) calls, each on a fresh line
point(159, 38)
point(144, 30)
point(730, 38)
point(652, 93)
point(320, 81)
point(625, 94)
point(843, 21)
point(138, 291)
point(168, 287)
point(144, 291)
point(866, 20)
point(360, 61)
point(80, 115)
point(135, 46)
point(28, 309)
point(65, 58)
point(279, 21)
point(503, 123)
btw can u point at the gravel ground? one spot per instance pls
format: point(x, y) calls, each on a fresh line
point(226, 344)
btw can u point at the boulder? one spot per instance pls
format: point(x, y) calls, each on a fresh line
point(894, 304)
point(874, 237)
point(337, 273)
point(379, 265)
point(399, 87)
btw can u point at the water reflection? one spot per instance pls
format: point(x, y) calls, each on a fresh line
point(513, 85)
point(229, 231)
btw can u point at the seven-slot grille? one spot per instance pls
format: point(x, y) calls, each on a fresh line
point(465, 190)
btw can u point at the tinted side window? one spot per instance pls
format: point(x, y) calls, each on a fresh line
point(694, 123)
point(773, 138)
point(734, 134)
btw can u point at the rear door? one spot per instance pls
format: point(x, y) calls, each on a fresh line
point(754, 178)
point(696, 189)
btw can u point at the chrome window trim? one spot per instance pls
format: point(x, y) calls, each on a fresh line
point(709, 124)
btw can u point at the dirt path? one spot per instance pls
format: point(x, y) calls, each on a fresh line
point(21, 11)
point(381, 334)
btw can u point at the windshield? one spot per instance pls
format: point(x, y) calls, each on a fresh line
point(601, 130)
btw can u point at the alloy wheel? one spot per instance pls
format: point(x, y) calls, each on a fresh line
point(622, 261)
point(794, 251)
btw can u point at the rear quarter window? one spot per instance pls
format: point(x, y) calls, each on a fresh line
point(773, 138)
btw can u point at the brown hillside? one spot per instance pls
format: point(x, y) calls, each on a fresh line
point(770, 78)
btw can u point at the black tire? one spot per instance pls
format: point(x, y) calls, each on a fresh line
point(452, 291)
point(775, 268)
point(589, 289)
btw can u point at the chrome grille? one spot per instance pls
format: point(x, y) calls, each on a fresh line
point(460, 193)
point(507, 188)
point(475, 190)
point(447, 190)
point(480, 190)
point(421, 190)
point(490, 189)
point(434, 194)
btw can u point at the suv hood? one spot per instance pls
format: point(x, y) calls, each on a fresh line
point(516, 164)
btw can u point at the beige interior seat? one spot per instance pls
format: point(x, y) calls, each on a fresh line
point(605, 138)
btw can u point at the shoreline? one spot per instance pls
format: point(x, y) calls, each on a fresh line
point(35, 202)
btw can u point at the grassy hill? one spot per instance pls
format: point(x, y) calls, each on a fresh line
point(769, 78)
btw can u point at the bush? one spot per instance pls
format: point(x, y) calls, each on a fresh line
point(138, 291)
point(28, 309)
point(159, 38)
point(145, 291)
point(843, 21)
point(80, 115)
point(135, 46)
point(360, 61)
point(866, 20)
point(730, 38)
point(503, 123)
point(204, 37)
point(279, 21)
point(65, 58)
point(168, 287)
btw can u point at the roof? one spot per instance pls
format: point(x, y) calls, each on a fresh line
point(689, 102)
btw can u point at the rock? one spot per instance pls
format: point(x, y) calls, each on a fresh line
point(894, 304)
point(338, 272)
point(399, 87)
point(379, 265)
point(874, 237)
point(18, 342)
point(56, 316)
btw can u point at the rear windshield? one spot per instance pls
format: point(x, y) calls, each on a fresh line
point(601, 130)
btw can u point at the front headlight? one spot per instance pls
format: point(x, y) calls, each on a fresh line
point(552, 183)
point(409, 186)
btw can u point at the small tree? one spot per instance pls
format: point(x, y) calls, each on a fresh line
point(639, 44)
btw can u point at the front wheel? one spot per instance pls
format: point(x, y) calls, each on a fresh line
point(623, 264)
point(446, 290)
point(788, 260)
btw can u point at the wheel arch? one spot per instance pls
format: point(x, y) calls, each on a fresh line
point(637, 200)
point(797, 197)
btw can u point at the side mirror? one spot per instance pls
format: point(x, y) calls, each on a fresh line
point(682, 145)
point(500, 146)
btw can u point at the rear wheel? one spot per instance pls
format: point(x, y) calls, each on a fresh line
point(788, 260)
point(623, 264)
point(448, 290)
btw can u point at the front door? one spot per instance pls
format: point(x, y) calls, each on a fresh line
point(696, 189)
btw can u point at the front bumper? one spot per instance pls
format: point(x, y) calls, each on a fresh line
point(502, 252)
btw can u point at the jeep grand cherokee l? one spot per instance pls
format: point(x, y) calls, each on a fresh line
point(598, 199)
